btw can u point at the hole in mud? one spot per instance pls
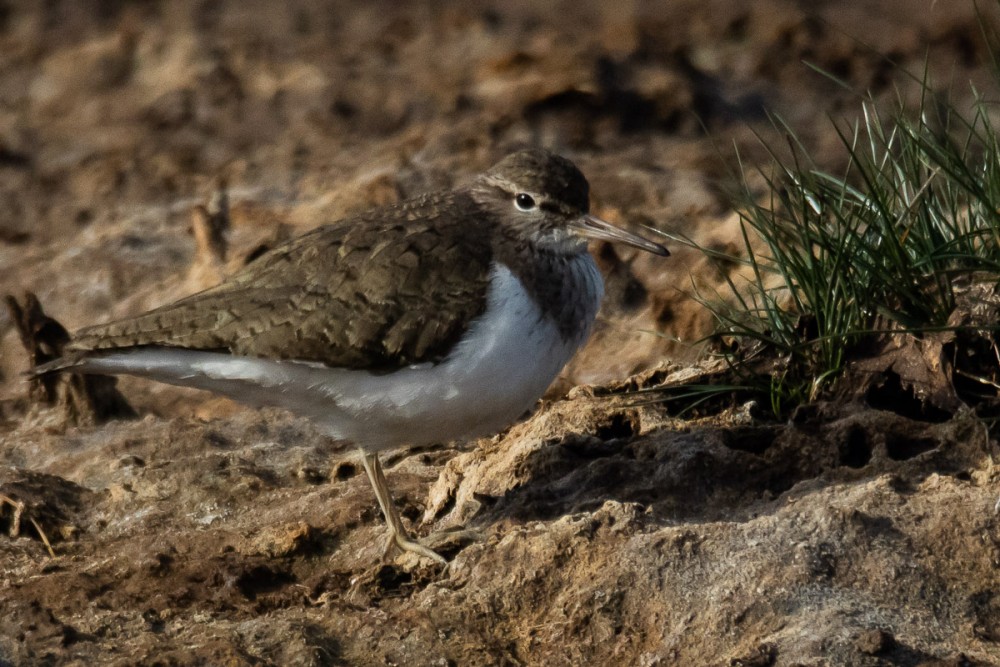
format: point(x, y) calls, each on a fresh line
point(893, 397)
point(587, 447)
point(855, 451)
point(262, 579)
point(485, 499)
point(71, 635)
point(619, 426)
point(752, 439)
point(778, 484)
point(391, 579)
point(344, 471)
point(901, 448)
point(411, 512)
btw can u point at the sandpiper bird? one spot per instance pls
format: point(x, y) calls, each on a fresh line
point(438, 318)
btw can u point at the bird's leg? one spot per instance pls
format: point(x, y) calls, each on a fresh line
point(397, 532)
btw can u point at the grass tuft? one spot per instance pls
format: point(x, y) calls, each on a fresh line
point(834, 260)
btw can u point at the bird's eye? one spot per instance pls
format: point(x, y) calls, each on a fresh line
point(524, 202)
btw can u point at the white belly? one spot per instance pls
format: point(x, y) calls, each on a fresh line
point(502, 366)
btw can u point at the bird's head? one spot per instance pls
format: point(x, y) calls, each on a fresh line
point(544, 199)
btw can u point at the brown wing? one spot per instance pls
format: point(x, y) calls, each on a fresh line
point(379, 291)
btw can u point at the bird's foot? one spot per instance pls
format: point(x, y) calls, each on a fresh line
point(451, 541)
point(404, 543)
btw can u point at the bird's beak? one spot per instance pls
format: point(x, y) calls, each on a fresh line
point(594, 228)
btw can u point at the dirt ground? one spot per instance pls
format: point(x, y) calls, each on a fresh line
point(598, 531)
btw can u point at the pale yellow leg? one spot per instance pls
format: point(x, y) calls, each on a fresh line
point(397, 532)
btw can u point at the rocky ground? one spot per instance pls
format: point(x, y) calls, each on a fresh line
point(601, 529)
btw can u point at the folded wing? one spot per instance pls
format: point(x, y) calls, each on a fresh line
point(379, 291)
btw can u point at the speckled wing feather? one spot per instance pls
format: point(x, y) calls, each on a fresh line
point(389, 288)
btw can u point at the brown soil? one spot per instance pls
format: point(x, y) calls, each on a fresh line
point(597, 531)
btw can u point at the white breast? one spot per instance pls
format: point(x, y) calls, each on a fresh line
point(505, 362)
